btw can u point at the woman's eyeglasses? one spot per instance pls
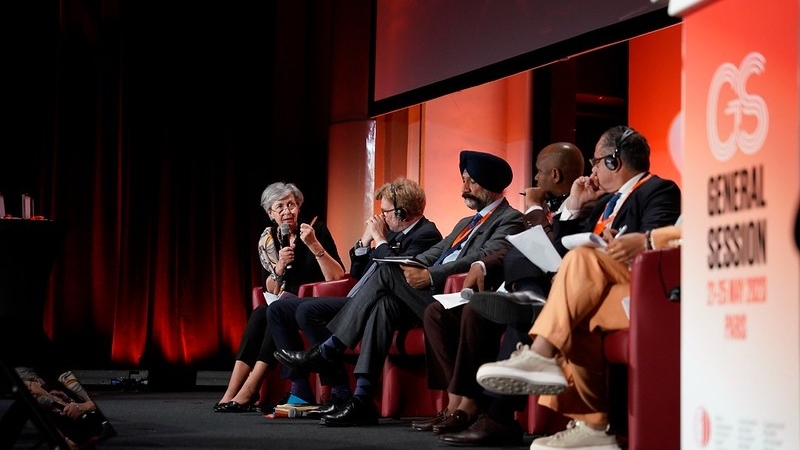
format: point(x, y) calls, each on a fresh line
point(291, 206)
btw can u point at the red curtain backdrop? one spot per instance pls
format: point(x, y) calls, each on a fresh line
point(148, 128)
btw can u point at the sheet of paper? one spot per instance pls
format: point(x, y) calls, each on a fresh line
point(587, 239)
point(536, 246)
point(451, 300)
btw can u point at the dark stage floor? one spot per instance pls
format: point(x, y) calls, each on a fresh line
point(185, 420)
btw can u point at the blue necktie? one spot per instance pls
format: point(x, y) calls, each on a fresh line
point(457, 245)
point(610, 205)
point(475, 219)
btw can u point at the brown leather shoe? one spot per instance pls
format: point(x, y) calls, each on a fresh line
point(427, 424)
point(486, 432)
point(454, 423)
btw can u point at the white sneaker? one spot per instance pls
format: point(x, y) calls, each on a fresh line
point(577, 436)
point(524, 373)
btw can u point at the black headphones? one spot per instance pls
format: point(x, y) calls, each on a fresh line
point(400, 213)
point(612, 161)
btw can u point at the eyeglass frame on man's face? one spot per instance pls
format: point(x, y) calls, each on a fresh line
point(387, 211)
point(291, 206)
point(595, 161)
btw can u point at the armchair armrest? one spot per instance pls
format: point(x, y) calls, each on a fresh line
point(454, 283)
point(654, 314)
point(258, 297)
point(334, 288)
point(654, 366)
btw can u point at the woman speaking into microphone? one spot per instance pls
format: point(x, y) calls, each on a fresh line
point(291, 253)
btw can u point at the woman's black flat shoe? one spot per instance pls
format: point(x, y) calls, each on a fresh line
point(233, 407)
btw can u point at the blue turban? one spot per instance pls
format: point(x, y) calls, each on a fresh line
point(491, 172)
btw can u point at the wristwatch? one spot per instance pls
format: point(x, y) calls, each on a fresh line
point(275, 276)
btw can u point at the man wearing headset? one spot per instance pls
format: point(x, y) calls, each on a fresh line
point(400, 229)
point(565, 364)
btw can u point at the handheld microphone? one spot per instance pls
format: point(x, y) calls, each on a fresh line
point(285, 232)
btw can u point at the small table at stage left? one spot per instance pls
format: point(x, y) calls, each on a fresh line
point(28, 249)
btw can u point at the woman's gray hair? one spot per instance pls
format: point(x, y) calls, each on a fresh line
point(277, 191)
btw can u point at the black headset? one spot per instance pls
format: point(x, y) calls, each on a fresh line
point(612, 161)
point(400, 213)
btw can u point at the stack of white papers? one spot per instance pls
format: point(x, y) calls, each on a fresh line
point(536, 246)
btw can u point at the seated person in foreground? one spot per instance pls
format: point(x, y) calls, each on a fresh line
point(312, 257)
point(400, 229)
point(69, 407)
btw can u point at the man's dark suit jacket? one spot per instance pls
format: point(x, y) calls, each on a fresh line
point(488, 238)
point(420, 238)
point(655, 203)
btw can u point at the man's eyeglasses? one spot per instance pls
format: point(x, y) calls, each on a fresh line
point(291, 206)
point(387, 211)
point(594, 161)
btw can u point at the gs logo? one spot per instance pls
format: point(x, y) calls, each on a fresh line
point(744, 104)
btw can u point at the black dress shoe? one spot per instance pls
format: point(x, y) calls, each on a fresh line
point(311, 360)
point(486, 432)
point(508, 308)
point(359, 410)
point(331, 407)
point(427, 424)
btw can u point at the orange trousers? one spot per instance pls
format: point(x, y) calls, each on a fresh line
point(585, 300)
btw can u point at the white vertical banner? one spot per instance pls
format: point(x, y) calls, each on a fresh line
point(740, 310)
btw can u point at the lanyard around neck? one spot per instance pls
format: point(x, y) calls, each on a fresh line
point(603, 223)
point(464, 234)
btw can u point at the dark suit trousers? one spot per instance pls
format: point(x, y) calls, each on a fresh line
point(313, 316)
point(458, 341)
point(287, 316)
point(384, 304)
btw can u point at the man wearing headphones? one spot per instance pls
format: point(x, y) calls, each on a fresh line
point(401, 229)
point(581, 304)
